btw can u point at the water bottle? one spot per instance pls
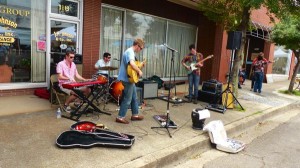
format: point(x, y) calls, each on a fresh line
point(58, 113)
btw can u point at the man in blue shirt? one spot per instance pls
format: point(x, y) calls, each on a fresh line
point(129, 96)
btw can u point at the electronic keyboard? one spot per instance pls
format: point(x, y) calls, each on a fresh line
point(72, 85)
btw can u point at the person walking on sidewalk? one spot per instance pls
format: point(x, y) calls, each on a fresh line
point(129, 95)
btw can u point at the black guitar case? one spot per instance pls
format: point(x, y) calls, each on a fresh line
point(95, 137)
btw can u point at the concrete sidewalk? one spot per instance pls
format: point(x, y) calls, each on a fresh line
point(28, 139)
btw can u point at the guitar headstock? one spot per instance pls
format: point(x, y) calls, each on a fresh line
point(210, 56)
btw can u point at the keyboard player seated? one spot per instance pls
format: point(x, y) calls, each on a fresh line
point(67, 72)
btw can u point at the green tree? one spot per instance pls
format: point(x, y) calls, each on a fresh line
point(234, 15)
point(287, 33)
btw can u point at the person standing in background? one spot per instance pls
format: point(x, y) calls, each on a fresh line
point(258, 67)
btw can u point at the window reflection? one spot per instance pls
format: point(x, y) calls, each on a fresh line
point(63, 36)
point(22, 35)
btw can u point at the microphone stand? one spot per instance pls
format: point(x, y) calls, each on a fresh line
point(167, 125)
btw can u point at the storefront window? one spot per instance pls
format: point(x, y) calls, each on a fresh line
point(22, 41)
point(154, 30)
point(64, 7)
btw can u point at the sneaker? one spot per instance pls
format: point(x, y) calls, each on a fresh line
point(67, 109)
point(195, 101)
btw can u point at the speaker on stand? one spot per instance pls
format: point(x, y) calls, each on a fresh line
point(233, 43)
point(234, 40)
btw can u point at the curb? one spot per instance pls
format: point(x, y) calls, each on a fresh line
point(201, 143)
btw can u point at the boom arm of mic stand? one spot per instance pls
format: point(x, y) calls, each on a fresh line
point(172, 49)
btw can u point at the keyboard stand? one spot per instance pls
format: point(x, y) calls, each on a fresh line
point(85, 99)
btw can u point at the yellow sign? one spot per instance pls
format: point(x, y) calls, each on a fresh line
point(4, 39)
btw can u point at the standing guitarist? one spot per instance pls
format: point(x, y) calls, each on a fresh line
point(193, 58)
point(129, 95)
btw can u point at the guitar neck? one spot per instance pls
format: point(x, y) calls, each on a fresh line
point(204, 59)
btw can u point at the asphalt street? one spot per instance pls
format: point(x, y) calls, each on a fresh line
point(272, 143)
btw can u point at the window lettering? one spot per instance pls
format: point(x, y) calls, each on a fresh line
point(13, 11)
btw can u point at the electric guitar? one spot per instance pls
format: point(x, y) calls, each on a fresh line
point(193, 64)
point(132, 74)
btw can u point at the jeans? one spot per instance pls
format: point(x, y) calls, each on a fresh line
point(193, 81)
point(129, 97)
point(259, 76)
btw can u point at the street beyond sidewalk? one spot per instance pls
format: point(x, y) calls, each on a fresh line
point(28, 139)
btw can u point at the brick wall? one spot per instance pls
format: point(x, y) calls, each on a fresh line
point(91, 36)
point(260, 16)
point(16, 92)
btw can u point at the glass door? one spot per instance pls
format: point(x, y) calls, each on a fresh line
point(63, 36)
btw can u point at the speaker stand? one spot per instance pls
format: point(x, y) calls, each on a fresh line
point(227, 91)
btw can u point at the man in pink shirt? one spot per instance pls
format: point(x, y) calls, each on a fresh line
point(67, 72)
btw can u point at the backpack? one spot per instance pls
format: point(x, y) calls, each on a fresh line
point(158, 80)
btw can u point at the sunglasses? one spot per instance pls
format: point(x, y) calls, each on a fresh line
point(140, 47)
point(71, 57)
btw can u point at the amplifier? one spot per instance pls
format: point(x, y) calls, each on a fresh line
point(212, 86)
point(209, 97)
point(150, 88)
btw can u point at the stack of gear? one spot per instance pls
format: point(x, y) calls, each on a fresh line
point(86, 134)
point(210, 92)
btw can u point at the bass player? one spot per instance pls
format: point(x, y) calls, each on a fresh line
point(129, 95)
point(193, 58)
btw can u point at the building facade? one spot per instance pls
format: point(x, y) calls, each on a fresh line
point(34, 35)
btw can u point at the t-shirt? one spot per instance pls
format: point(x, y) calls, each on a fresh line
point(101, 63)
point(126, 58)
point(65, 70)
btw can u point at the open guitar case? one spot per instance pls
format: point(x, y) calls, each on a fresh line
point(85, 134)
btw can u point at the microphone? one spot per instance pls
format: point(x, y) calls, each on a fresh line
point(172, 49)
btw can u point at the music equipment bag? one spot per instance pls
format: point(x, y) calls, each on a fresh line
point(86, 134)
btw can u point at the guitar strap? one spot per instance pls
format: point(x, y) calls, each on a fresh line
point(194, 58)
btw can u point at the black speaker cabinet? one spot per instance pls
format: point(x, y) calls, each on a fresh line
point(212, 86)
point(209, 97)
point(234, 40)
point(150, 88)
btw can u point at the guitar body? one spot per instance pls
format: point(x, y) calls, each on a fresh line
point(192, 67)
point(132, 74)
point(193, 64)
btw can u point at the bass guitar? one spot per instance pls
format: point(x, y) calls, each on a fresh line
point(193, 64)
point(132, 74)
